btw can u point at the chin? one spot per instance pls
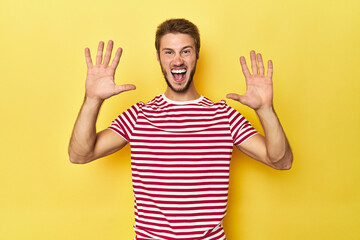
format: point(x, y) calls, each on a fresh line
point(172, 84)
point(176, 88)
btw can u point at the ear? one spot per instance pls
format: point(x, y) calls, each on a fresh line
point(157, 56)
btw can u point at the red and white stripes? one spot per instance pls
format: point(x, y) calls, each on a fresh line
point(180, 157)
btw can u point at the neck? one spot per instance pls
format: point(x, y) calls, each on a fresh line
point(190, 94)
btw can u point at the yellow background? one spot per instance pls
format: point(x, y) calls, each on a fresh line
point(315, 49)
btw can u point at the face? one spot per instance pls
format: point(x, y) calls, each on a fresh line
point(177, 57)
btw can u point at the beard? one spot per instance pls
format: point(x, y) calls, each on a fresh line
point(187, 85)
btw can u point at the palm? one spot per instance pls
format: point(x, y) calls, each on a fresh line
point(259, 90)
point(100, 82)
point(100, 77)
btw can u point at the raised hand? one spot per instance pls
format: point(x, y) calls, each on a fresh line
point(259, 87)
point(100, 82)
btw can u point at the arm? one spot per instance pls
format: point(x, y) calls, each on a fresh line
point(273, 149)
point(85, 144)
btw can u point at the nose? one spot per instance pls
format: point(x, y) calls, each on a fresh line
point(177, 61)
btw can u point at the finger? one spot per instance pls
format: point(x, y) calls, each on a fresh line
point(116, 59)
point(244, 67)
point(261, 64)
point(109, 49)
point(253, 62)
point(88, 58)
point(270, 69)
point(124, 88)
point(235, 97)
point(99, 53)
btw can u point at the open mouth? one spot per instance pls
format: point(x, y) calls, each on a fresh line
point(178, 74)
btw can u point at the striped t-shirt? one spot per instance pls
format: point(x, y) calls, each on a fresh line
point(180, 158)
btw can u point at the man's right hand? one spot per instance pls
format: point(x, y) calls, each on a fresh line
point(100, 83)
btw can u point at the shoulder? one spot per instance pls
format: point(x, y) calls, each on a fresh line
point(218, 106)
point(155, 102)
point(205, 101)
point(140, 105)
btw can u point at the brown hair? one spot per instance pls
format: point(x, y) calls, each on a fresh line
point(178, 25)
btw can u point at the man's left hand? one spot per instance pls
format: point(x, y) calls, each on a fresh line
point(259, 87)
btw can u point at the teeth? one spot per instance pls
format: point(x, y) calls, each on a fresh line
point(178, 71)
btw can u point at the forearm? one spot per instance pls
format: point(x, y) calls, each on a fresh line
point(277, 146)
point(82, 141)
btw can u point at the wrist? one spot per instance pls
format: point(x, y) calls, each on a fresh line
point(265, 110)
point(93, 101)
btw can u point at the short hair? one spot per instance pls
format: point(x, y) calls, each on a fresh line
point(178, 25)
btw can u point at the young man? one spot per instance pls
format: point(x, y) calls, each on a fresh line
point(181, 142)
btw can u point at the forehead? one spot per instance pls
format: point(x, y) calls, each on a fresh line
point(176, 41)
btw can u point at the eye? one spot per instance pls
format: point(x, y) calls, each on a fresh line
point(168, 52)
point(186, 51)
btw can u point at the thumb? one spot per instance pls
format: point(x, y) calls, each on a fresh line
point(124, 88)
point(236, 97)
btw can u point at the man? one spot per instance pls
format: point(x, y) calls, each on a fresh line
point(181, 142)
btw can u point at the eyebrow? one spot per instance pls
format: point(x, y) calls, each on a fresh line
point(166, 49)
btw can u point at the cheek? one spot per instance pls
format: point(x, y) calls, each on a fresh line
point(164, 62)
point(192, 62)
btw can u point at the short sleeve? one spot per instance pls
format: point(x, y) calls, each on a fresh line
point(124, 124)
point(240, 127)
